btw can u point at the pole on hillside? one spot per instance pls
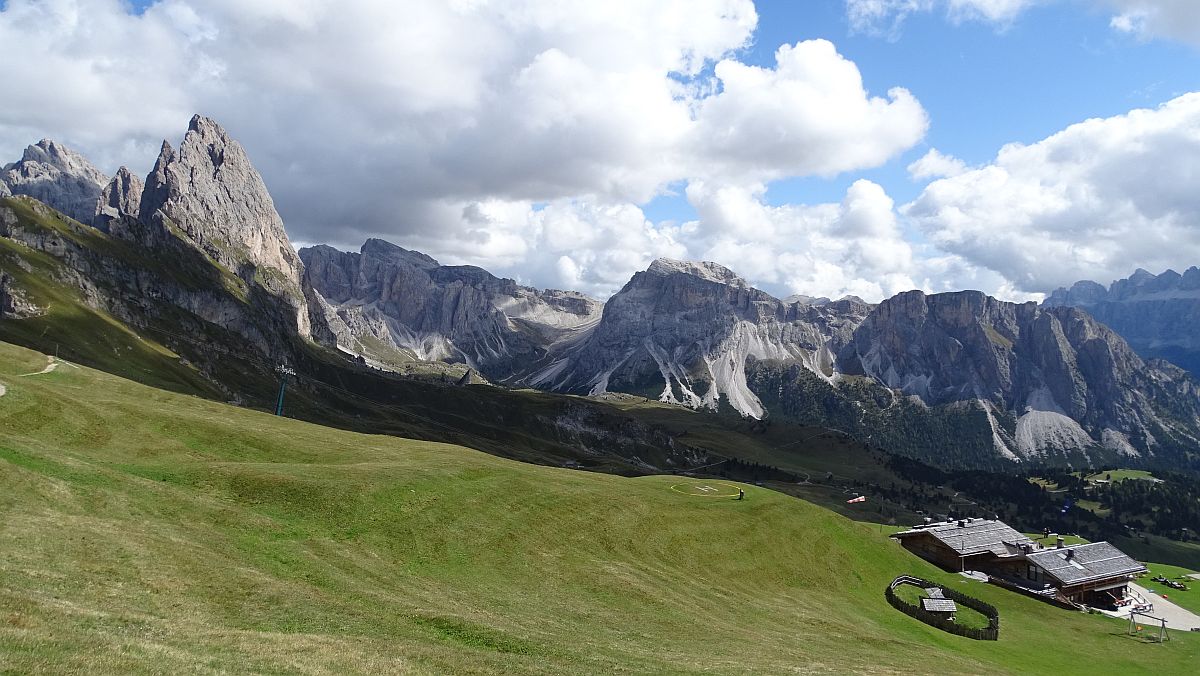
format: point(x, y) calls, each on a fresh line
point(284, 371)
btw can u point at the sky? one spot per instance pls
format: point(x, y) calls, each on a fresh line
point(823, 147)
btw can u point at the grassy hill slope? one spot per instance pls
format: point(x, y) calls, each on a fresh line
point(142, 530)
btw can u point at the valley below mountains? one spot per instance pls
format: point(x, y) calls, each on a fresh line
point(193, 266)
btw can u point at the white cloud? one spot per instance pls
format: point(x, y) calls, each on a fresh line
point(516, 135)
point(934, 164)
point(886, 16)
point(585, 244)
point(853, 247)
point(808, 115)
point(1176, 19)
point(1093, 201)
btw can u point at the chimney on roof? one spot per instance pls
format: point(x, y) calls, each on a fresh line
point(1059, 542)
point(1070, 554)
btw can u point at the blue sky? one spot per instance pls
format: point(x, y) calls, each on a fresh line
point(983, 85)
point(557, 142)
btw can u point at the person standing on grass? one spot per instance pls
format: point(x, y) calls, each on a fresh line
point(741, 494)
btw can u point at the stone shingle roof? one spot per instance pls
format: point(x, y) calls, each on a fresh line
point(939, 605)
point(1094, 561)
point(975, 536)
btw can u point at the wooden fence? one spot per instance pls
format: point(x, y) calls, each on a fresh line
point(988, 633)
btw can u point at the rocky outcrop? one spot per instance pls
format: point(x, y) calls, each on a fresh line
point(1158, 315)
point(14, 302)
point(120, 199)
point(395, 305)
point(56, 176)
point(212, 194)
point(1020, 380)
point(1069, 382)
point(684, 333)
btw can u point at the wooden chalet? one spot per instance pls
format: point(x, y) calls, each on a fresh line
point(968, 544)
point(1093, 574)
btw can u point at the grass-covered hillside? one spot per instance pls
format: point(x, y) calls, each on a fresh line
point(146, 531)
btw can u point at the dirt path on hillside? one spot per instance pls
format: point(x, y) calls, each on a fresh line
point(52, 363)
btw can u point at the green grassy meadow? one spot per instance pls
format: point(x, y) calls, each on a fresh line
point(144, 531)
point(1189, 599)
point(1115, 475)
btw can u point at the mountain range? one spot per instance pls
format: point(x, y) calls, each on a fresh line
point(1159, 315)
point(960, 378)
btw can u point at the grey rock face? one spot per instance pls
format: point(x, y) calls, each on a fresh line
point(58, 177)
point(1069, 381)
point(684, 332)
point(14, 303)
point(1081, 294)
point(121, 198)
point(1046, 380)
point(397, 305)
point(212, 192)
point(1158, 315)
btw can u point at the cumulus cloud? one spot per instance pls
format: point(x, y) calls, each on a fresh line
point(934, 164)
point(809, 115)
point(518, 135)
point(1093, 201)
point(852, 247)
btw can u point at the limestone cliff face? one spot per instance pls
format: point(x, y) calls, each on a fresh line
point(57, 176)
point(1041, 381)
point(397, 304)
point(204, 212)
point(213, 195)
point(685, 332)
point(1069, 381)
point(1158, 315)
point(121, 198)
point(212, 192)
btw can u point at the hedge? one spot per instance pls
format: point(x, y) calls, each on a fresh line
point(988, 633)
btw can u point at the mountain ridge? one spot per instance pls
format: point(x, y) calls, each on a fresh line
point(1019, 381)
point(1159, 315)
point(1042, 381)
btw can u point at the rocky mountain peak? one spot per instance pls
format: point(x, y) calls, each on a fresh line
point(57, 176)
point(385, 250)
point(61, 157)
point(394, 305)
point(121, 198)
point(1159, 315)
point(706, 270)
point(1081, 294)
point(211, 191)
point(803, 299)
point(213, 195)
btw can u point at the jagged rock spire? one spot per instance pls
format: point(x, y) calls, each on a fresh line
point(121, 198)
point(210, 190)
